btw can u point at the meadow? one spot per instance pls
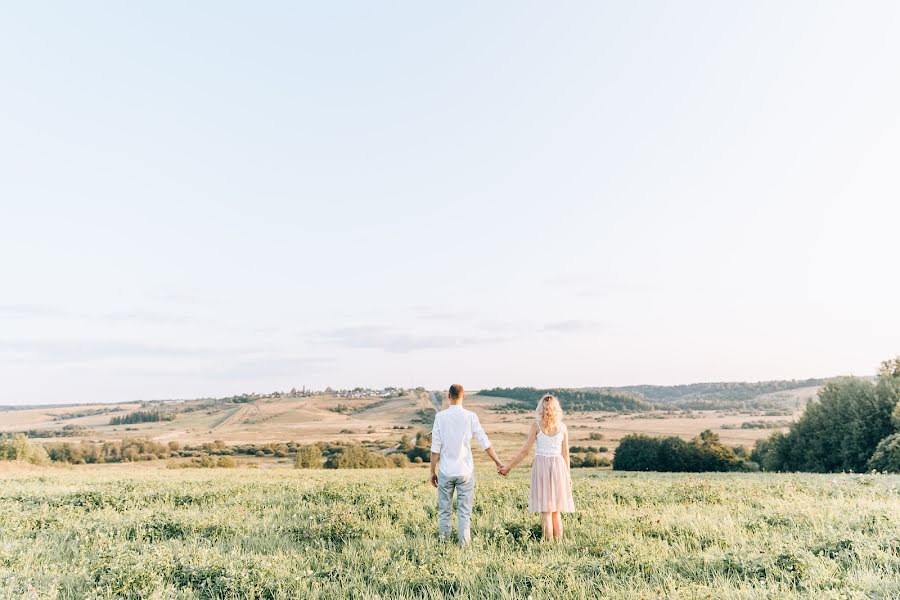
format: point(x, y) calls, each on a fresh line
point(124, 532)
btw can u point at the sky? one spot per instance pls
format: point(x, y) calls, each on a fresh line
point(210, 198)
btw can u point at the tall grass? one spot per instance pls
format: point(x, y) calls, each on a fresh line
point(147, 533)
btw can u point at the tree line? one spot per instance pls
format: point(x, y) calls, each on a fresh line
point(142, 416)
point(718, 391)
point(853, 425)
point(525, 398)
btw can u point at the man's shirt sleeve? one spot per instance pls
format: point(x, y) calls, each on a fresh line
point(479, 433)
point(436, 442)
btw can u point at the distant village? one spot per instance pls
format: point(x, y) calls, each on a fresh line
point(357, 392)
point(303, 392)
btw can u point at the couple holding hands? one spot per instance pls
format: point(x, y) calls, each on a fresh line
point(452, 468)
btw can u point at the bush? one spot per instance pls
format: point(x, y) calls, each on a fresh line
point(205, 462)
point(356, 457)
point(594, 436)
point(308, 457)
point(637, 452)
point(591, 459)
point(19, 448)
point(421, 451)
point(399, 460)
point(886, 457)
point(92, 453)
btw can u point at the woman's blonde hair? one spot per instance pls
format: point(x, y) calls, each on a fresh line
point(549, 413)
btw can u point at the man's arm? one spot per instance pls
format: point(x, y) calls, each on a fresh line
point(435, 458)
point(484, 442)
point(437, 443)
point(494, 457)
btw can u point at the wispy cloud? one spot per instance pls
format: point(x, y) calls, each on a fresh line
point(145, 316)
point(575, 326)
point(87, 350)
point(244, 368)
point(393, 340)
point(24, 311)
point(277, 366)
point(589, 285)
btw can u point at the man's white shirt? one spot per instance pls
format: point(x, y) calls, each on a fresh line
point(452, 435)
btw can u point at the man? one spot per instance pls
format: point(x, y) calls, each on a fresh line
point(451, 440)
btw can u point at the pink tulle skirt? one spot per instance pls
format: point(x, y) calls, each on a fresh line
point(550, 488)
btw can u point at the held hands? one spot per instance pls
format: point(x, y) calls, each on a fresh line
point(503, 469)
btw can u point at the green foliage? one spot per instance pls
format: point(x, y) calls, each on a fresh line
point(65, 431)
point(840, 431)
point(309, 457)
point(424, 416)
point(205, 462)
point(18, 448)
point(589, 459)
point(526, 398)
point(597, 449)
point(357, 457)
point(421, 451)
point(142, 416)
point(398, 460)
point(886, 457)
point(638, 452)
point(127, 450)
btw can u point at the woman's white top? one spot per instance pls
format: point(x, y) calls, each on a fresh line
point(549, 445)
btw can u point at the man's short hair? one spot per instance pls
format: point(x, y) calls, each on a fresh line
point(456, 391)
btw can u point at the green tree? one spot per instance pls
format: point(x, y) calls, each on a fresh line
point(886, 457)
point(841, 430)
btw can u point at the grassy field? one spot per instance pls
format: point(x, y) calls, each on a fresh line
point(119, 531)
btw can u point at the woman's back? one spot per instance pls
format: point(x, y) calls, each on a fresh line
point(548, 445)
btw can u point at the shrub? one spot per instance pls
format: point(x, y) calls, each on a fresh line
point(205, 462)
point(886, 457)
point(398, 459)
point(421, 451)
point(356, 457)
point(19, 448)
point(590, 459)
point(637, 452)
point(308, 457)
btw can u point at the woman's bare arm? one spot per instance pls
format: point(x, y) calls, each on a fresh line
point(526, 447)
point(565, 451)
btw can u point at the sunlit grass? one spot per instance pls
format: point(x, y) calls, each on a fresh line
point(372, 534)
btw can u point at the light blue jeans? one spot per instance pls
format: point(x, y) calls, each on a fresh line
point(464, 485)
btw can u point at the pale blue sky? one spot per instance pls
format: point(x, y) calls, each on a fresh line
point(210, 198)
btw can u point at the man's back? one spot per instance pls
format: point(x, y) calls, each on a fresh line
point(452, 435)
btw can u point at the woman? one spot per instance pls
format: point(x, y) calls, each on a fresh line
point(551, 478)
